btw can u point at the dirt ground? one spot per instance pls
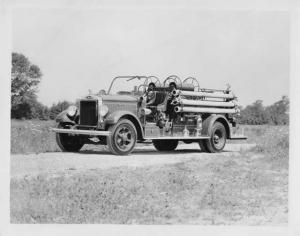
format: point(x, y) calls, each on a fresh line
point(93, 157)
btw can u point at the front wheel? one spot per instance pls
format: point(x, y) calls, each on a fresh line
point(68, 142)
point(123, 137)
point(165, 145)
point(217, 140)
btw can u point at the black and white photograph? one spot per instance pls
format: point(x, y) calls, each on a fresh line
point(150, 114)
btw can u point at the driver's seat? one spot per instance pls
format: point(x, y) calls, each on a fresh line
point(160, 97)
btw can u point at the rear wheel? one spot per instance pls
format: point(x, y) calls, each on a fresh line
point(123, 137)
point(217, 141)
point(68, 142)
point(165, 145)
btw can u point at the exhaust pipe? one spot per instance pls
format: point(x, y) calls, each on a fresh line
point(205, 110)
point(210, 95)
point(205, 103)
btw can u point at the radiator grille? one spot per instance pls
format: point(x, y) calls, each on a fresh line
point(89, 113)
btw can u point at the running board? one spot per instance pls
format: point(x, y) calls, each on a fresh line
point(178, 137)
point(82, 132)
point(238, 137)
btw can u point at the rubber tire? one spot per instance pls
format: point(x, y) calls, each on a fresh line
point(165, 145)
point(209, 143)
point(203, 146)
point(113, 147)
point(67, 144)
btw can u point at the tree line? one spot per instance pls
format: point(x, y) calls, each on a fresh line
point(25, 78)
point(257, 114)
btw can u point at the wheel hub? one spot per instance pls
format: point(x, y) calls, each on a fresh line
point(216, 139)
point(124, 139)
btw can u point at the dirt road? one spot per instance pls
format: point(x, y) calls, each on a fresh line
point(94, 158)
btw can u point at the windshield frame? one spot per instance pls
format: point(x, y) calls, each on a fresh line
point(139, 77)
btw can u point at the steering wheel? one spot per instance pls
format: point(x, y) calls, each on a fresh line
point(152, 79)
point(175, 79)
point(149, 80)
point(193, 81)
point(142, 85)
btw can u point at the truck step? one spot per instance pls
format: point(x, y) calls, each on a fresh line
point(238, 137)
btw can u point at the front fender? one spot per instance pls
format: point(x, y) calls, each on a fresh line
point(114, 117)
point(209, 122)
point(63, 118)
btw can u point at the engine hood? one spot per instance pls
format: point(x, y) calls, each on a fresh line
point(119, 98)
point(112, 98)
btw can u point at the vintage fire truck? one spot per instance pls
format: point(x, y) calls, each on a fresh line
point(142, 109)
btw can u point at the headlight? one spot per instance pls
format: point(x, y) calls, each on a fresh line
point(71, 111)
point(103, 110)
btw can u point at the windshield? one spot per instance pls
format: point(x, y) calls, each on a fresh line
point(126, 85)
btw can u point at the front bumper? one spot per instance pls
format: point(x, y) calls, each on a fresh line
point(82, 132)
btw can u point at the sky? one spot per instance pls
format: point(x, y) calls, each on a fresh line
point(82, 49)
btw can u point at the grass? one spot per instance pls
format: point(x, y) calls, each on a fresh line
point(246, 189)
point(271, 141)
point(32, 136)
point(223, 191)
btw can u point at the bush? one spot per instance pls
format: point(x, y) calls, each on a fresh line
point(57, 108)
point(257, 114)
